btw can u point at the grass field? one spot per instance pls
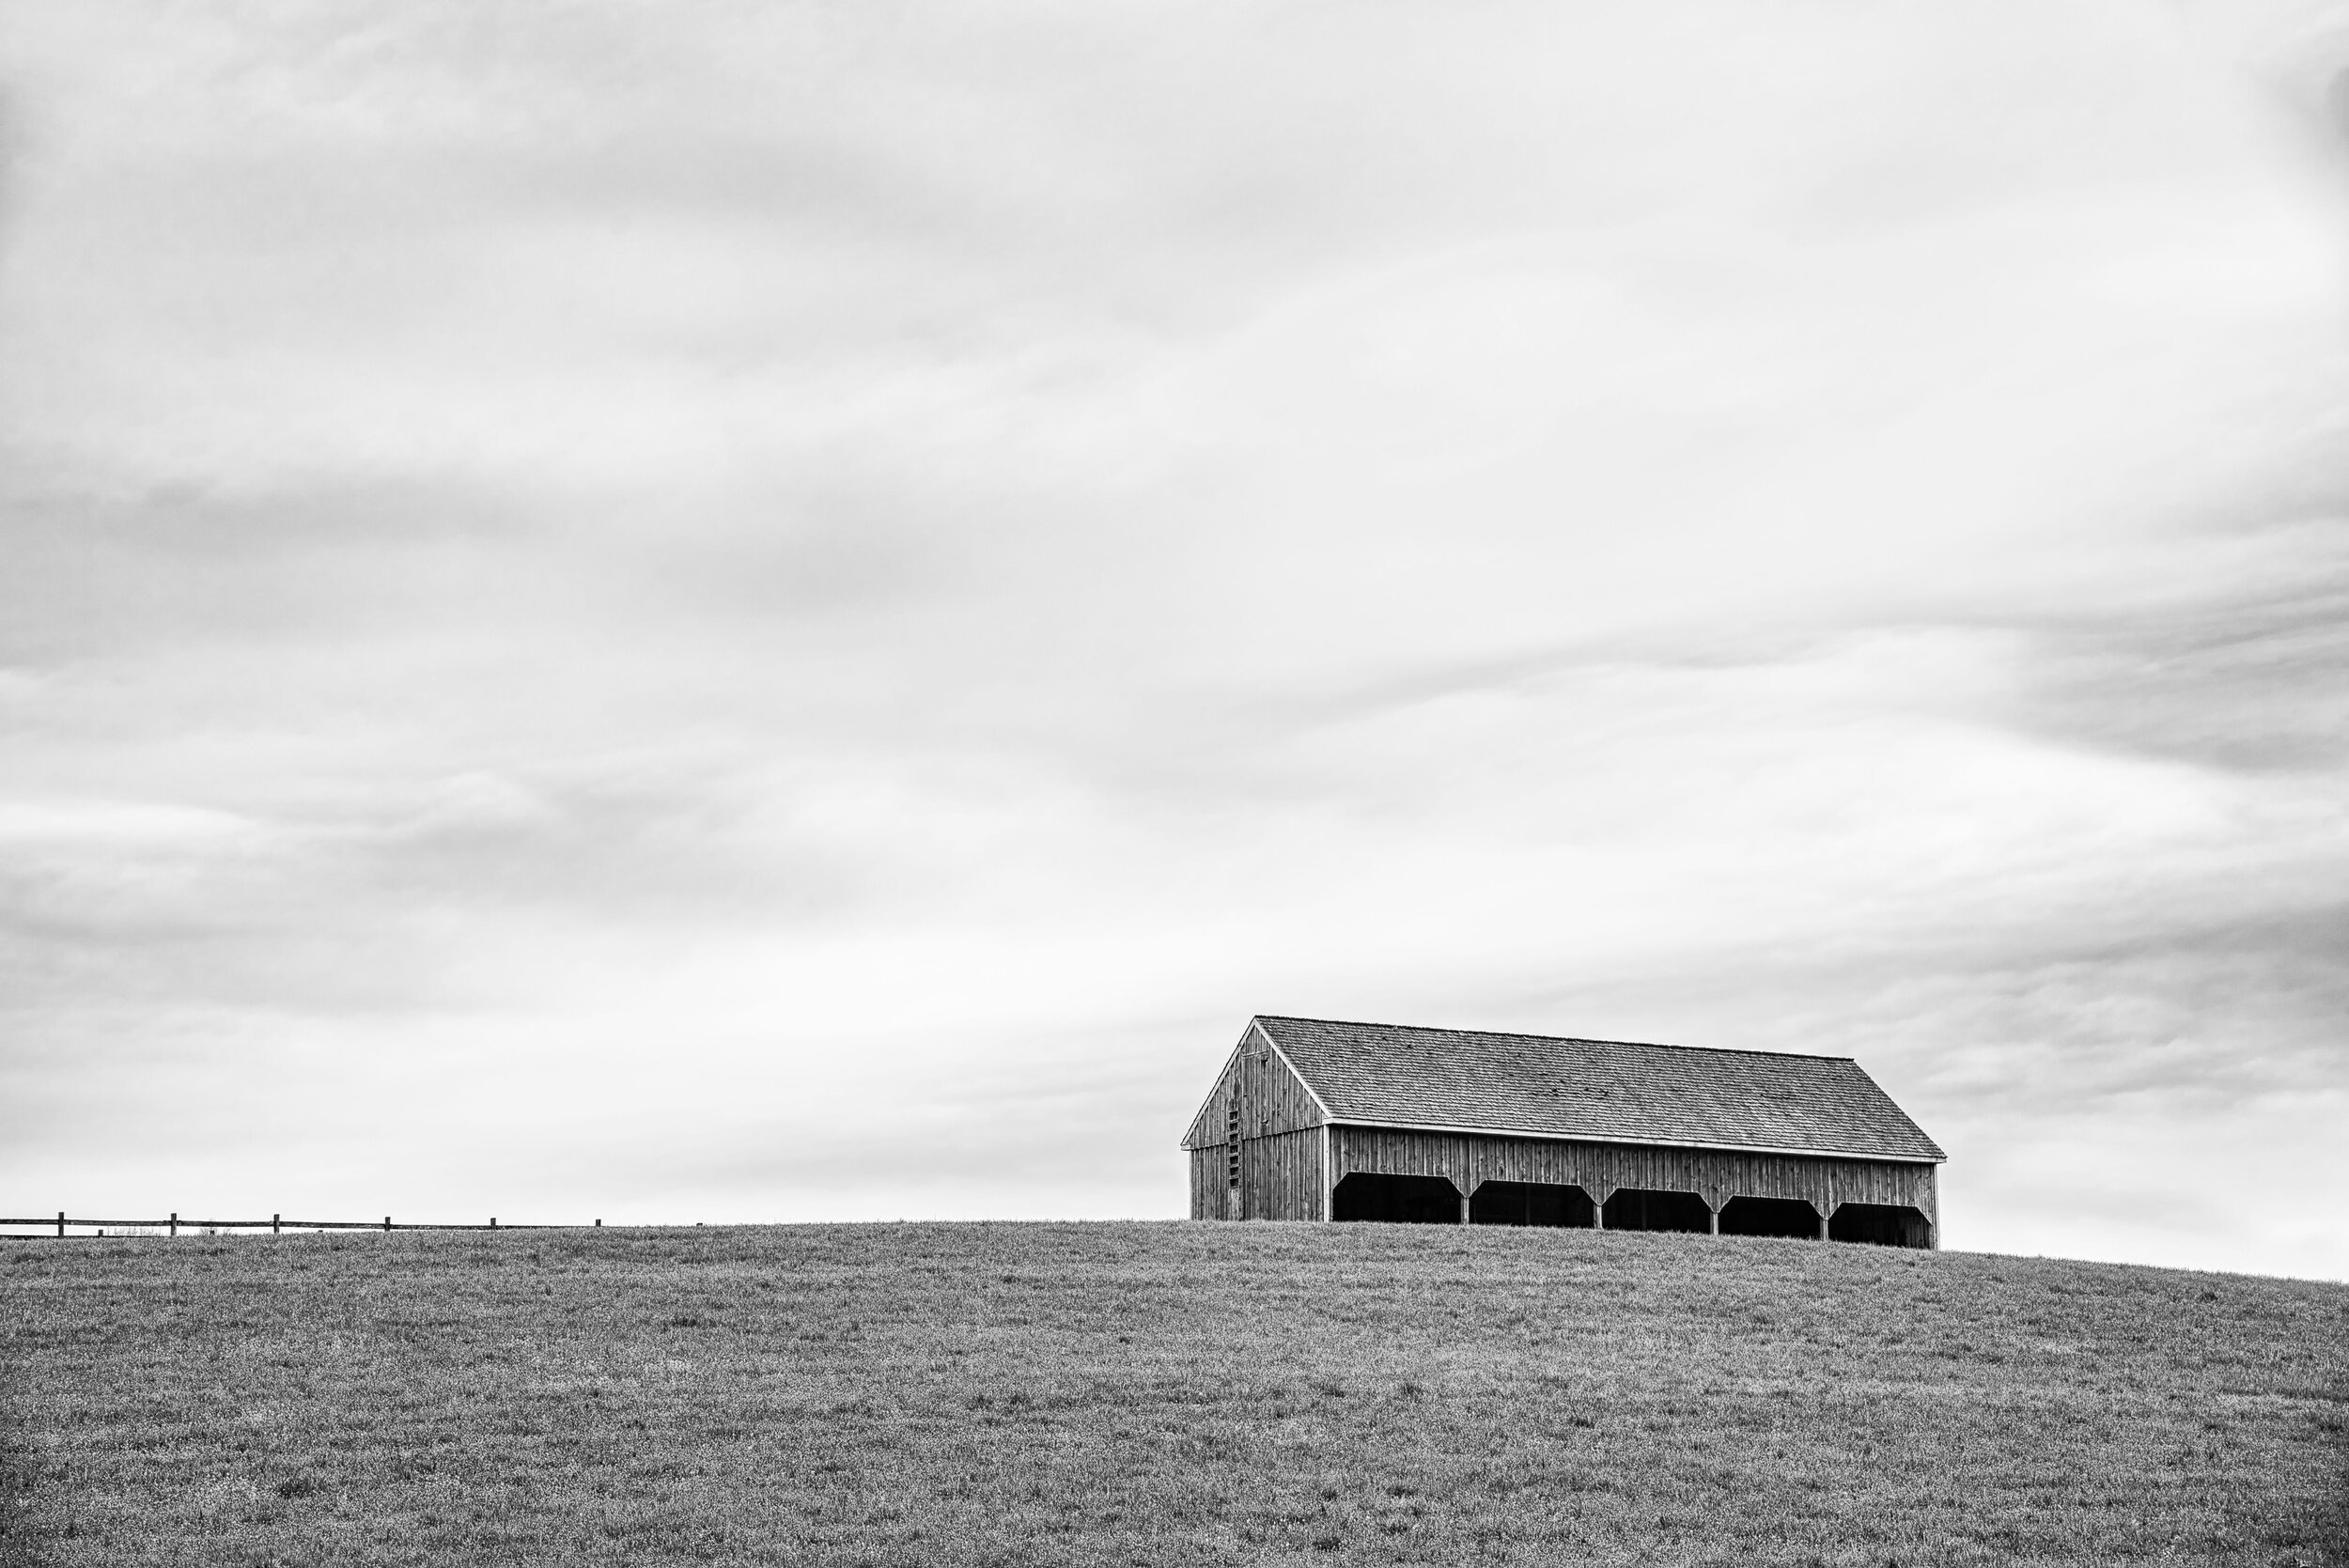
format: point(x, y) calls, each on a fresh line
point(1156, 1393)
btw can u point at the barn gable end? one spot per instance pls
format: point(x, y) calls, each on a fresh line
point(1271, 1096)
point(1256, 1144)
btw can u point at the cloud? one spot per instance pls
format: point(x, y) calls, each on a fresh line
point(761, 609)
point(2234, 674)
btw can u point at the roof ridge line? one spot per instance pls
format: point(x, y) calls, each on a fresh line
point(1565, 1039)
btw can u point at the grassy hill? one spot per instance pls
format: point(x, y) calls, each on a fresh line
point(1156, 1393)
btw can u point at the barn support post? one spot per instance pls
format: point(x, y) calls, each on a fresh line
point(1464, 1208)
point(1823, 1223)
point(1329, 1179)
point(1712, 1220)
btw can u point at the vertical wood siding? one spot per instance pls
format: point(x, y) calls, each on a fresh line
point(1271, 1098)
point(1471, 1160)
point(1207, 1184)
point(1280, 1179)
point(1280, 1142)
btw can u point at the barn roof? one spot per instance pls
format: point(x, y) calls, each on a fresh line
point(1609, 1090)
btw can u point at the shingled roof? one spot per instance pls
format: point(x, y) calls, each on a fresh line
point(1610, 1090)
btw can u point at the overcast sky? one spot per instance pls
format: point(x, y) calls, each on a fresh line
point(723, 612)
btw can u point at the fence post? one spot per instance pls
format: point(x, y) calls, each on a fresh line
point(598, 1224)
point(493, 1222)
point(174, 1221)
point(387, 1224)
point(273, 1223)
point(61, 1221)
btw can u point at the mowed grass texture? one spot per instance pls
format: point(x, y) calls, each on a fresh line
point(1157, 1393)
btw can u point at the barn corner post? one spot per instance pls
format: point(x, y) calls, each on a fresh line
point(1329, 1179)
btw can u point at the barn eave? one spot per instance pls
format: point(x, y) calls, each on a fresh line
point(1639, 1142)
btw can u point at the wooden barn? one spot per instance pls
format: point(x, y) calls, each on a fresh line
point(1315, 1120)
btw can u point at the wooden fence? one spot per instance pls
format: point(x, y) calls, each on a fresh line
point(275, 1224)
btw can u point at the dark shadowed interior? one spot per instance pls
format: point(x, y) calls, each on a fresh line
point(1396, 1200)
point(1781, 1217)
point(1531, 1203)
point(1640, 1208)
point(1883, 1224)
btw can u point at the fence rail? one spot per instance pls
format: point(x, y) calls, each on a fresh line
point(274, 1224)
